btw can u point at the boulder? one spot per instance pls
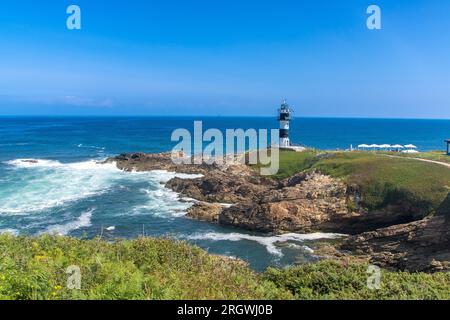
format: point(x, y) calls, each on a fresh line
point(205, 211)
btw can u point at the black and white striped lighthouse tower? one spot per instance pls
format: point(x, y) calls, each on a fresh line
point(284, 117)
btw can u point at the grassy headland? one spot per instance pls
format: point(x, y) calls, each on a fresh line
point(382, 180)
point(35, 268)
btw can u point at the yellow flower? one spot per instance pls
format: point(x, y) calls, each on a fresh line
point(40, 257)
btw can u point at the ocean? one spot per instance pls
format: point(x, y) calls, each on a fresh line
point(66, 191)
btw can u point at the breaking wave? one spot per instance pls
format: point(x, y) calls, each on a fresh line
point(84, 220)
point(270, 242)
point(43, 184)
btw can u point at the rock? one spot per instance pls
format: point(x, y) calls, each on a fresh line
point(307, 201)
point(160, 161)
point(231, 185)
point(416, 246)
point(29, 161)
point(205, 211)
point(295, 179)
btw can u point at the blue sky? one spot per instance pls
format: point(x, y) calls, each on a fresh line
point(231, 57)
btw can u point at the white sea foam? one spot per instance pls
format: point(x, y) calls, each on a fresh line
point(44, 184)
point(91, 147)
point(308, 249)
point(162, 201)
point(84, 220)
point(14, 232)
point(163, 175)
point(33, 163)
point(270, 242)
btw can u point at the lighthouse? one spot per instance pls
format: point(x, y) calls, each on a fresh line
point(284, 117)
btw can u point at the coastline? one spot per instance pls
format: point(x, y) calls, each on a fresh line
point(308, 201)
point(413, 254)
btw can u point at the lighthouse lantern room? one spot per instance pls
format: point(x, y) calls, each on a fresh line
point(284, 117)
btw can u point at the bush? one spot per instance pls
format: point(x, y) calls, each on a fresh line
point(34, 268)
point(333, 280)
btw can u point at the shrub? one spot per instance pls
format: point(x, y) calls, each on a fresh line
point(333, 280)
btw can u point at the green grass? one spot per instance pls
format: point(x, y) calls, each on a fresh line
point(145, 268)
point(385, 180)
point(293, 162)
point(382, 180)
point(440, 156)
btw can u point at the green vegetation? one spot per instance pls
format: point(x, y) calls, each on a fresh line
point(382, 180)
point(440, 156)
point(333, 280)
point(145, 268)
point(35, 268)
point(292, 162)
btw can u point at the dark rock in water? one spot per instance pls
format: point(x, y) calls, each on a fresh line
point(159, 161)
point(229, 186)
point(29, 161)
point(205, 211)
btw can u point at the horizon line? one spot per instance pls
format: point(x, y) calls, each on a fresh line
point(212, 116)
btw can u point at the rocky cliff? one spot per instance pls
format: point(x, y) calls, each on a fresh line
point(416, 246)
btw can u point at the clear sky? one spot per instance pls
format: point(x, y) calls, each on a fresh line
point(233, 57)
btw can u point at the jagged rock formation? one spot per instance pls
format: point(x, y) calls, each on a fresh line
point(416, 246)
point(231, 185)
point(301, 203)
point(205, 211)
point(160, 161)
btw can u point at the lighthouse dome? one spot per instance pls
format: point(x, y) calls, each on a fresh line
point(284, 113)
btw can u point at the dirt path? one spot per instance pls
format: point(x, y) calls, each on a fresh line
point(423, 160)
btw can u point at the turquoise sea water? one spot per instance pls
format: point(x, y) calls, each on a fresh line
point(65, 190)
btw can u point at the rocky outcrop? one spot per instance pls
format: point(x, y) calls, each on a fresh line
point(140, 161)
point(305, 202)
point(205, 211)
point(227, 183)
point(228, 186)
point(416, 246)
point(301, 203)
